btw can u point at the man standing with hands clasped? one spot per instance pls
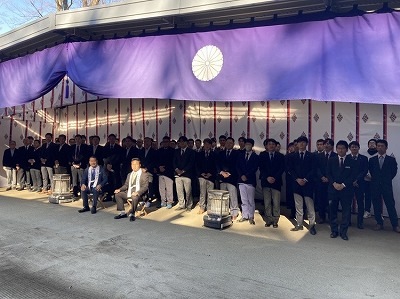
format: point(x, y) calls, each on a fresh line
point(341, 173)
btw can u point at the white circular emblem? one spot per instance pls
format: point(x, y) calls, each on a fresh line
point(207, 63)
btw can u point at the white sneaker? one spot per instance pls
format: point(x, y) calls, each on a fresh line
point(367, 215)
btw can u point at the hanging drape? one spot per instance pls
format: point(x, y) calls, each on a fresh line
point(353, 59)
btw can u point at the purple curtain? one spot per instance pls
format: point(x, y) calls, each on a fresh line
point(354, 59)
point(29, 77)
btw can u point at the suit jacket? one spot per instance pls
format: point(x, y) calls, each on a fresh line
point(82, 158)
point(149, 161)
point(143, 183)
point(274, 168)
point(35, 155)
point(99, 153)
point(341, 175)
point(9, 161)
point(228, 164)
point(185, 162)
point(102, 180)
point(381, 179)
point(165, 157)
point(206, 164)
point(302, 169)
point(114, 155)
point(322, 164)
point(247, 168)
point(23, 156)
point(126, 159)
point(362, 170)
point(63, 155)
point(48, 153)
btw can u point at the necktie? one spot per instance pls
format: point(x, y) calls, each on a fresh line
point(228, 153)
point(207, 154)
point(355, 157)
point(92, 177)
point(27, 147)
point(94, 149)
point(327, 157)
point(127, 152)
point(12, 153)
point(247, 157)
point(182, 152)
point(301, 156)
point(271, 156)
point(381, 159)
point(77, 151)
point(341, 162)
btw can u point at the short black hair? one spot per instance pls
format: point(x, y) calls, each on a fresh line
point(222, 137)
point(344, 143)
point(356, 143)
point(183, 138)
point(30, 137)
point(230, 138)
point(129, 138)
point(61, 135)
point(302, 139)
point(270, 140)
point(49, 134)
point(250, 140)
point(166, 138)
point(242, 139)
point(207, 140)
point(96, 136)
point(135, 159)
point(383, 141)
point(198, 140)
point(372, 139)
point(329, 141)
point(320, 140)
point(190, 139)
point(78, 135)
point(112, 135)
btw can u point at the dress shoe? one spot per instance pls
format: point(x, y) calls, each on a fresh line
point(334, 234)
point(8, 188)
point(396, 229)
point(344, 237)
point(268, 224)
point(188, 210)
point(378, 227)
point(85, 209)
point(252, 222)
point(321, 221)
point(313, 231)
point(179, 208)
point(20, 189)
point(242, 219)
point(275, 225)
point(297, 228)
point(132, 217)
point(93, 210)
point(120, 216)
point(360, 226)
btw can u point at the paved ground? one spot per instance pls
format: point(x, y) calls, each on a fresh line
point(52, 251)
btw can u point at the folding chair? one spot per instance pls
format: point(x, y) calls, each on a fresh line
point(100, 200)
point(139, 213)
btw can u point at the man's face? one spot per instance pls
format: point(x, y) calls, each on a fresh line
point(128, 143)
point(198, 144)
point(139, 143)
point(372, 145)
point(95, 141)
point(61, 139)
point(183, 144)
point(381, 148)
point(190, 144)
point(147, 143)
point(207, 146)
point(229, 144)
point(25, 141)
point(354, 149)
point(222, 142)
point(320, 146)
point(78, 140)
point(36, 144)
point(72, 141)
point(291, 149)
point(328, 147)
point(271, 146)
point(241, 143)
point(12, 145)
point(30, 141)
point(111, 139)
point(135, 165)
point(341, 150)
point(165, 143)
point(48, 138)
point(93, 162)
point(172, 144)
point(302, 145)
point(278, 148)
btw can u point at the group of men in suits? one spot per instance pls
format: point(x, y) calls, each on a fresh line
point(319, 180)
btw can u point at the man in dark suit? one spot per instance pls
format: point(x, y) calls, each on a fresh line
point(35, 165)
point(359, 183)
point(272, 166)
point(383, 169)
point(47, 158)
point(10, 160)
point(184, 159)
point(62, 156)
point(78, 161)
point(227, 174)
point(23, 174)
point(113, 153)
point(301, 166)
point(322, 179)
point(205, 171)
point(247, 165)
point(96, 150)
point(165, 172)
point(127, 154)
point(148, 158)
point(135, 187)
point(341, 173)
point(93, 180)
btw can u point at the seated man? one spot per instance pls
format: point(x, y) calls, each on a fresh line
point(136, 185)
point(93, 179)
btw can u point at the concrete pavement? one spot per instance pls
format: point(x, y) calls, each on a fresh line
point(52, 251)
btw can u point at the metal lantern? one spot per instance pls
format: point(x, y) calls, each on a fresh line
point(60, 189)
point(218, 215)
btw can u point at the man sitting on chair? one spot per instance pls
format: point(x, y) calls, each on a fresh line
point(93, 179)
point(136, 185)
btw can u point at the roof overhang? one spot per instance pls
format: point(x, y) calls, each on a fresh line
point(141, 17)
